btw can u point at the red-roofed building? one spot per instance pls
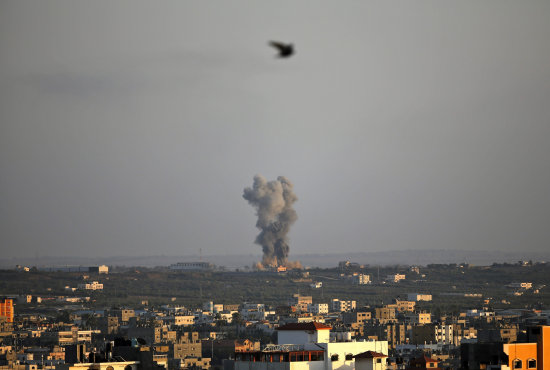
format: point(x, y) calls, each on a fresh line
point(303, 332)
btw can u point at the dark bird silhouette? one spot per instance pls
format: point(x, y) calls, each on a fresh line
point(285, 50)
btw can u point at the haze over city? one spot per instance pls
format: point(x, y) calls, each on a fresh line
point(132, 128)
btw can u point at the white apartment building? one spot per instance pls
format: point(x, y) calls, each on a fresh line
point(307, 346)
point(342, 306)
point(317, 308)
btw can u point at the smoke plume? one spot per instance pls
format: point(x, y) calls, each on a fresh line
point(273, 202)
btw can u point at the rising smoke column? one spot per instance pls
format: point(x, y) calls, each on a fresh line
point(273, 202)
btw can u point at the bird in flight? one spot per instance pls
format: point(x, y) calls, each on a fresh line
point(285, 50)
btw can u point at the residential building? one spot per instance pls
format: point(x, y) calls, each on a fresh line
point(124, 314)
point(385, 315)
point(417, 297)
point(65, 337)
point(306, 346)
point(318, 308)
point(102, 269)
point(359, 317)
point(186, 320)
point(419, 318)
point(360, 279)
point(395, 278)
point(343, 306)
point(533, 354)
point(370, 360)
point(94, 285)
point(405, 306)
point(6, 309)
point(301, 302)
point(423, 363)
point(523, 285)
point(187, 348)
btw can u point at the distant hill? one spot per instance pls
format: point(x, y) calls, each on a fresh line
point(383, 258)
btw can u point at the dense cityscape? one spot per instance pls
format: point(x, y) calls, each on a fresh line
point(195, 315)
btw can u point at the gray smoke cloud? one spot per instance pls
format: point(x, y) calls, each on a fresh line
point(273, 202)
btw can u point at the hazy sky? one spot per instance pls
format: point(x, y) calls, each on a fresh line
point(133, 127)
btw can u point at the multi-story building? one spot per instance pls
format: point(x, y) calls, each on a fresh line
point(507, 334)
point(342, 306)
point(124, 314)
point(187, 348)
point(109, 324)
point(444, 334)
point(440, 334)
point(6, 309)
point(384, 314)
point(307, 346)
point(396, 334)
point(301, 302)
point(405, 306)
point(66, 337)
point(318, 308)
point(419, 318)
point(464, 335)
point(360, 279)
point(532, 354)
point(359, 317)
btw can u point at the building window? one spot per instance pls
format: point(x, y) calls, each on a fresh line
point(334, 358)
point(518, 364)
point(531, 363)
point(349, 357)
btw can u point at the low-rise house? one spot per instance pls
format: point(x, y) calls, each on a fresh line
point(417, 297)
point(395, 278)
point(94, 285)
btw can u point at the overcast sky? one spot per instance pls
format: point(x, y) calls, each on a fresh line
point(132, 127)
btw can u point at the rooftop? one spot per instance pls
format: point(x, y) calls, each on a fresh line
point(305, 326)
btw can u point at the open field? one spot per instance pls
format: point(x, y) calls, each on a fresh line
point(159, 286)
